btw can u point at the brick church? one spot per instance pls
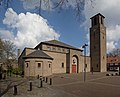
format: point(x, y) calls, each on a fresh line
point(52, 57)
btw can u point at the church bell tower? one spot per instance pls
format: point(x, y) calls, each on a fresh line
point(98, 43)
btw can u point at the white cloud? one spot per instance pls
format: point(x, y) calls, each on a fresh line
point(5, 34)
point(113, 37)
point(110, 9)
point(113, 33)
point(11, 18)
point(30, 28)
point(111, 45)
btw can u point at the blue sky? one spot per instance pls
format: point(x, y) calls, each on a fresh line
point(21, 24)
point(67, 25)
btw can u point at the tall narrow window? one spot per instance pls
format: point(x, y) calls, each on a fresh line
point(97, 65)
point(62, 65)
point(39, 65)
point(49, 65)
point(95, 21)
point(26, 65)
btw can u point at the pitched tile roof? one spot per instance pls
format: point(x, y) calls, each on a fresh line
point(58, 43)
point(38, 54)
point(112, 60)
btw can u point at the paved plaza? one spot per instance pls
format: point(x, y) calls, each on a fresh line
point(64, 85)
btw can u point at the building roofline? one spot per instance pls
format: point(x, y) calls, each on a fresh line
point(59, 46)
point(38, 54)
point(36, 57)
point(24, 50)
point(97, 15)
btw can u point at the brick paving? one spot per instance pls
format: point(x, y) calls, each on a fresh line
point(66, 85)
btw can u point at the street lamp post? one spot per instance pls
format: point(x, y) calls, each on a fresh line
point(85, 65)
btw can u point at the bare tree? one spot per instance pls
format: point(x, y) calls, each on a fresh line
point(1, 48)
point(7, 52)
point(5, 3)
point(56, 4)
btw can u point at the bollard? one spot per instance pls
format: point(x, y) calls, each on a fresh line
point(41, 83)
point(50, 81)
point(30, 86)
point(46, 80)
point(15, 90)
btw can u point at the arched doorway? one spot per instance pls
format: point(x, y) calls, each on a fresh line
point(74, 64)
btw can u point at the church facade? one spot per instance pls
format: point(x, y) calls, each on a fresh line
point(53, 57)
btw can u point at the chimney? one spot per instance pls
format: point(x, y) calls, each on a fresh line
point(18, 53)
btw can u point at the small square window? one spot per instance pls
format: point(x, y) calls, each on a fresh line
point(54, 48)
point(67, 50)
point(48, 47)
point(63, 50)
point(39, 65)
point(59, 49)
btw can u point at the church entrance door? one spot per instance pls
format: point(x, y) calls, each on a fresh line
point(73, 68)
